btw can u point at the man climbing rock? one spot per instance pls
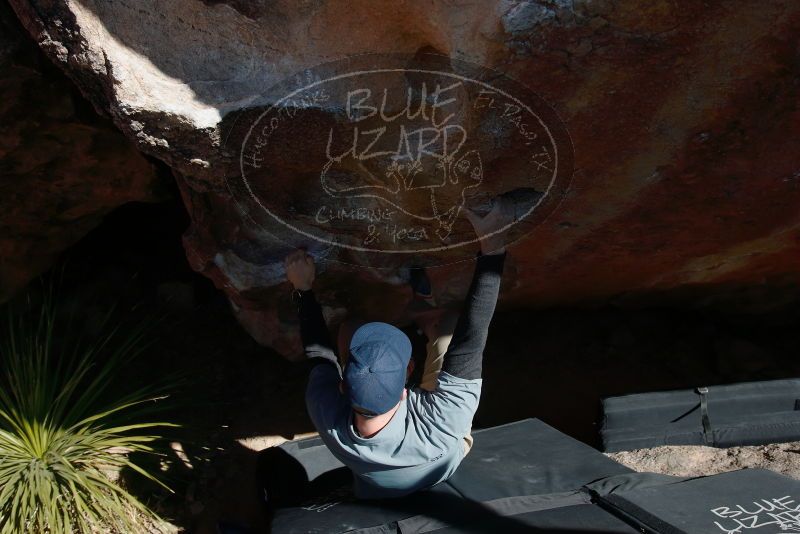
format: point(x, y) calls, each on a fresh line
point(398, 440)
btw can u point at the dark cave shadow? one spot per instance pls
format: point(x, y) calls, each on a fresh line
point(230, 496)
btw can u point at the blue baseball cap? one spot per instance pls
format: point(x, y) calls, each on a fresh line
point(375, 374)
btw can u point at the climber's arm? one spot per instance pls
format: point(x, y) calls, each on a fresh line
point(324, 399)
point(464, 356)
point(314, 333)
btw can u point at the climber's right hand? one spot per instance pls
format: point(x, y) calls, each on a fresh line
point(300, 270)
point(489, 228)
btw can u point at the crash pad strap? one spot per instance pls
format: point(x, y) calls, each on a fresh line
point(636, 516)
point(708, 433)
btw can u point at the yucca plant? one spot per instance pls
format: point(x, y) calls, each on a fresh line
point(65, 432)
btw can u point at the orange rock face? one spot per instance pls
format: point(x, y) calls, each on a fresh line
point(683, 119)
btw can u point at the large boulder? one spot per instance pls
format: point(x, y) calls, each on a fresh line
point(683, 117)
point(62, 167)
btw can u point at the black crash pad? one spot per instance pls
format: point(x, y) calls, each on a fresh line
point(516, 473)
point(587, 518)
point(751, 413)
point(528, 477)
point(528, 458)
point(753, 501)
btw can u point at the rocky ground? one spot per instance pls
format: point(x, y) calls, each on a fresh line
point(689, 461)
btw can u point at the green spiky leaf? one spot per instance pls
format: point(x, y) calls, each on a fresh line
point(64, 432)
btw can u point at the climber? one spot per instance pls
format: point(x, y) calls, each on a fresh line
point(394, 439)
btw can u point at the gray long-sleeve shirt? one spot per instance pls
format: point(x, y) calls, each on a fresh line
point(422, 444)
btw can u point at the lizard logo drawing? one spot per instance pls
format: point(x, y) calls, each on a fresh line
point(430, 188)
